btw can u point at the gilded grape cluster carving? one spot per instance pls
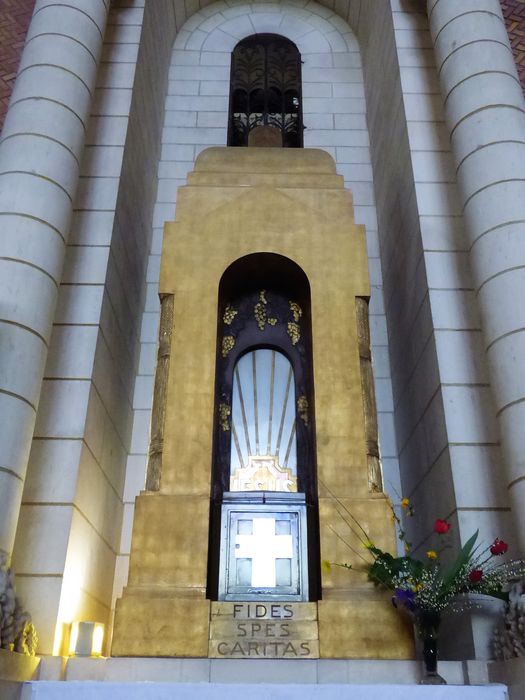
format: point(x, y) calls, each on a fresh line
point(296, 310)
point(228, 343)
point(229, 314)
point(294, 332)
point(224, 416)
point(302, 409)
point(259, 310)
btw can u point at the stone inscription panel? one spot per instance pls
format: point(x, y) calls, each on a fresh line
point(264, 630)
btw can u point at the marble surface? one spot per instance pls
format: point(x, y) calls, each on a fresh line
point(92, 690)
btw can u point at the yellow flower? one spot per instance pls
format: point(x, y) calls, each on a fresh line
point(431, 554)
point(368, 545)
point(418, 587)
point(326, 565)
point(405, 503)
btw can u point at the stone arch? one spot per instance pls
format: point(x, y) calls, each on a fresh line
point(333, 89)
point(333, 86)
point(312, 27)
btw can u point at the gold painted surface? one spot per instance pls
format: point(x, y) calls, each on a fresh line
point(375, 477)
point(296, 162)
point(158, 412)
point(151, 625)
point(297, 227)
point(170, 542)
point(17, 667)
point(297, 207)
point(343, 541)
point(364, 625)
point(265, 137)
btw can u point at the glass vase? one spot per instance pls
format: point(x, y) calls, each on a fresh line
point(427, 626)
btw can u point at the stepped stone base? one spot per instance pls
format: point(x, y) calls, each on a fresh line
point(92, 690)
point(263, 679)
point(257, 671)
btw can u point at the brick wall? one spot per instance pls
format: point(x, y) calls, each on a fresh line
point(15, 16)
point(514, 13)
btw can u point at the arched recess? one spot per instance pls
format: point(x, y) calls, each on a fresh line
point(264, 304)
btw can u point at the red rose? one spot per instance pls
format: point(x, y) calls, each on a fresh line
point(498, 547)
point(441, 527)
point(475, 576)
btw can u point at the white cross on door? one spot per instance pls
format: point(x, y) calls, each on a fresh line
point(263, 547)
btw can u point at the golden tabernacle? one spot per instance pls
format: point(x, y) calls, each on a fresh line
point(264, 431)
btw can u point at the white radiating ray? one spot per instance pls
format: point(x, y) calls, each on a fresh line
point(263, 410)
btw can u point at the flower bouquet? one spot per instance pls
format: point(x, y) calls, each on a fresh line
point(425, 587)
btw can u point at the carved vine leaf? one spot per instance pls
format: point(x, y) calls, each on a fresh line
point(224, 416)
point(302, 409)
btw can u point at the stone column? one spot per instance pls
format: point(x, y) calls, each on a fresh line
point(41, 146)
point(485, 113)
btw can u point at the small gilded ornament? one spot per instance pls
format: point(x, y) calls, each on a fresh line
point(227, 344)
point(260, 315)
point(294, 332)
point(302, 409)
point(229, 314)
point(224, 416)
point(272, 321)
point(296, 310)
point(260, 311)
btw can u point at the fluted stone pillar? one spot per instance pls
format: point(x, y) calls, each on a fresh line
point(40, 150)
point(485, 112)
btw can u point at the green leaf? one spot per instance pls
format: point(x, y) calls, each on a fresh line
point(463, 558)
point(386, 568)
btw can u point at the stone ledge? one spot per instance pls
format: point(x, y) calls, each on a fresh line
point(223, 691)
point(17, 667)
point(256, 671)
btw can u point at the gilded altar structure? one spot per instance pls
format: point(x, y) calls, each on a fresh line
point(285, 208)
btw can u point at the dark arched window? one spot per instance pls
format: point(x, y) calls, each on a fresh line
point(264, 435)
point(264, 304)
point(265, 89)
